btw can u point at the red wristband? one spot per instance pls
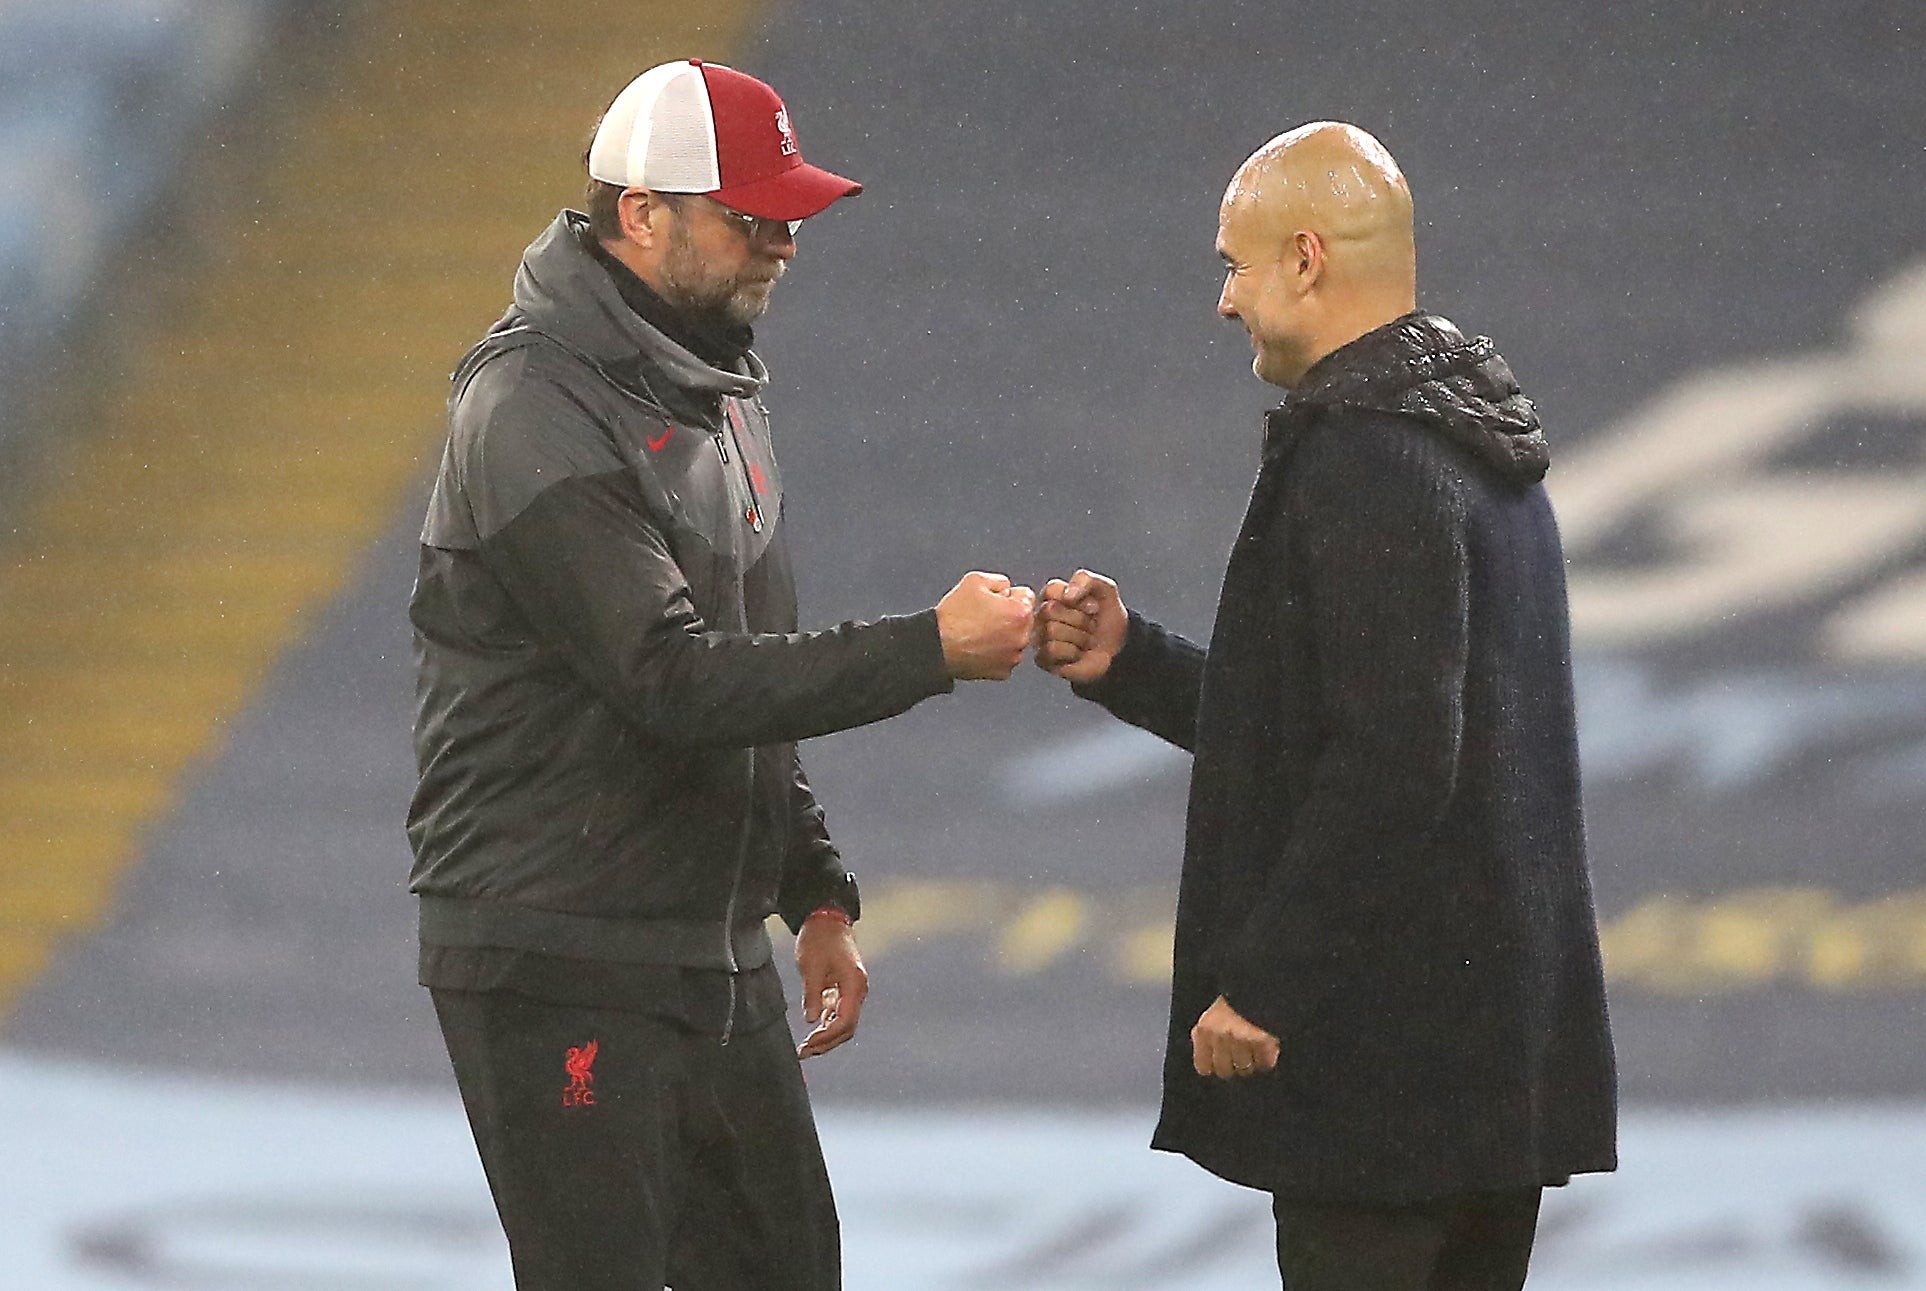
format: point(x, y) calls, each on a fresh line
point(835, 912)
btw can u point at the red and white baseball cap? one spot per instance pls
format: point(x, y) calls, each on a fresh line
point(696, 127)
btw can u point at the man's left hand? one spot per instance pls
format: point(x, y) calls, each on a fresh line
point(834, 981)
point(1224, 1043)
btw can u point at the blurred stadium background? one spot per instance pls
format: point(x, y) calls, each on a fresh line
point(243, 241)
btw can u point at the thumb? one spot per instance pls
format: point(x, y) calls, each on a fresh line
point(815, 979)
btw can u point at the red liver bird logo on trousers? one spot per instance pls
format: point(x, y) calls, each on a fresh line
point(580, 1065)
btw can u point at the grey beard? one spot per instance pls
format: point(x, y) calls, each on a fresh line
point(725, 302)
point(743, 309)
point(717, 311)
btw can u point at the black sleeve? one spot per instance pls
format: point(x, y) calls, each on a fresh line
point(568, 536)
point(812, 873)
point(1383, 549)
point(1154, 682)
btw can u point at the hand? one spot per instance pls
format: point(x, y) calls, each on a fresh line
point(834, 982)
point(1224, 1044)
point(1080, 627)
point(985, 624)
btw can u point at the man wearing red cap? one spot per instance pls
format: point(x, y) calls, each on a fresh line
point(611, 685)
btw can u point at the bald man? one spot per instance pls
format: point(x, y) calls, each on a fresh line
point(1387, 1008)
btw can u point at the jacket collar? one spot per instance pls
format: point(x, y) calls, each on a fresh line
point(1422, 366)
point(564, 292)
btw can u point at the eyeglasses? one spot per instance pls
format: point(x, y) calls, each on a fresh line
point(755, 227)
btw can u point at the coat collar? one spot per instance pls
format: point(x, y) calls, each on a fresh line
point(1422, 366)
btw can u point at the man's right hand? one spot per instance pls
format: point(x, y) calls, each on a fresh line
point(985, 624)
point(1080, 627)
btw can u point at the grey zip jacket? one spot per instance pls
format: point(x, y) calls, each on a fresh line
point(610, 680)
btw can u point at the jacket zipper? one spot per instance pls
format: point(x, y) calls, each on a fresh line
point(754, 515)
point(732, 417)
point(729, 910)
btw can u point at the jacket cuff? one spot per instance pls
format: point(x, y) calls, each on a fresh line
point(922, 645)
point(1126, 668)
point(1256, 1004)
point(838, 890)
point(1276, 996)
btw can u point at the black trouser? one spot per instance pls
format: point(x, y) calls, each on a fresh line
point(659, 1157)
point(1471, 1242)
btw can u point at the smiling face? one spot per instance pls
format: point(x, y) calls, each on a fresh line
point(1267, 281)
point(1315, 232)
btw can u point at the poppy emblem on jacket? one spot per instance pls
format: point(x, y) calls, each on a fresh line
point(657, 441)
point(580, 1066)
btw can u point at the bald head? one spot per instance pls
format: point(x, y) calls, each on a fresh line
point(1316, 228)
point(1338, 182)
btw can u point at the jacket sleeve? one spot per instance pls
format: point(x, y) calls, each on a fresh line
point(1382, 543)
point(563, 527)
point(1154, 682)
point(812, 873)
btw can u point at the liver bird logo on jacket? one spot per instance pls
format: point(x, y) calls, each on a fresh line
point(580, 1065)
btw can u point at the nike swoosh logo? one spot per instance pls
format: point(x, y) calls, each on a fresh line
point(655, 444)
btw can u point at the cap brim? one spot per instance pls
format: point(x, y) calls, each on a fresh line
point(796, 194)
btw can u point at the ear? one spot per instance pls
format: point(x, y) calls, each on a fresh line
point(641, 216)
point(1306, 256)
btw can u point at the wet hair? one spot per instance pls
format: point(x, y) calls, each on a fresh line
point(604, 201)
point(604, 210)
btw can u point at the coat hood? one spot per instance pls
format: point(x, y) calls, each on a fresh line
point(1422, 366)
point(564, 293)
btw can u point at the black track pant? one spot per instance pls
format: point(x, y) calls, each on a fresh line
point(657, 1157)
point(1472, 1242)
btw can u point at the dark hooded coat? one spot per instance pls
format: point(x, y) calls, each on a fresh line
point(1385, 858)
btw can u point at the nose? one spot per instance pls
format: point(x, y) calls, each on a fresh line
point(781, 243)
point(1224, 307)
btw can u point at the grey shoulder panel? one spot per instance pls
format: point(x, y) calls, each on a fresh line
point(449, 525)
point(520, 424)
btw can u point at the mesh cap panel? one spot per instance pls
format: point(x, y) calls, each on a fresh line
point(659, 133)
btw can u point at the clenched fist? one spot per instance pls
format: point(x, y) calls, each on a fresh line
point(1226, 1044)
point(1080, 627)
point(985, 624)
